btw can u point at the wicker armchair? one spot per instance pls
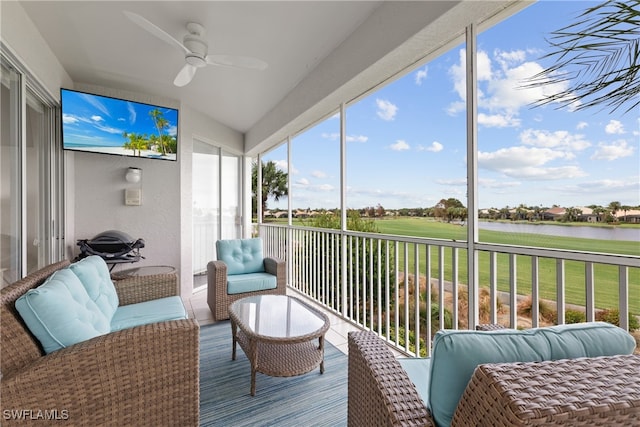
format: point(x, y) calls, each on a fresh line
point(584, 391)
point(146, 375)
point(218, 297)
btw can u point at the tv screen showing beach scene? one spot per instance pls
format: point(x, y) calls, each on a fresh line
point(100, 124)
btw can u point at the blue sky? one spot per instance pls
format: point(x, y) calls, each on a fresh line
point(406, 141)
point(93, 120)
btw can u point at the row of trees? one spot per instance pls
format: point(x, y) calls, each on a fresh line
point(274, 184)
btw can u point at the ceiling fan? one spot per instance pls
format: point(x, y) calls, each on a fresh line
point(195, 48)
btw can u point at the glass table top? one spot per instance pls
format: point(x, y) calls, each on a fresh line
point(277, 316)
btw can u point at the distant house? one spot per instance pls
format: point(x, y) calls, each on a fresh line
point(553, 214)
point(631, 216)
point(588, 215)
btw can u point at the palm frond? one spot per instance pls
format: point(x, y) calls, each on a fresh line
point(597, 57)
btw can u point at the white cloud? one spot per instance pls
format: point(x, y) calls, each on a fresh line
point(303, 181)
point(132, 113)
point(435, 147)
point(607, 186)
point(505, 91)
point(318, 174)
point(400, 145)
point(614, 127)
point(97, 118)
point(528, 162)
point(558, 139)
point(498, 120)
point(95, 103)
point(357, 138)
point(69, 119)
point(455, 182)
point(421, 74)
point(613, 151)
point(509, 58)
point(494, 183)
point(386, 110)
point(350, 138)
point(284, 166)
point(501, 83)
point(582, 125)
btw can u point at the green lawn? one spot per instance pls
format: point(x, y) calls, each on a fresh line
point(606, 277)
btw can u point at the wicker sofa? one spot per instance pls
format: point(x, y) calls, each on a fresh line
point(144, 375)
point(602, 390)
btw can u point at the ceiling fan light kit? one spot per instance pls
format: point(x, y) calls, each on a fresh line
point(195, 48)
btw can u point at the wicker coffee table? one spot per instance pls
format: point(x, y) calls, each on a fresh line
point(278, 334)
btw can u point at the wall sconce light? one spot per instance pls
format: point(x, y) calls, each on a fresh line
point(134, 175)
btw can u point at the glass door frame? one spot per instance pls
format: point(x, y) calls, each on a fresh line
point(51, 184)
point(222, 225)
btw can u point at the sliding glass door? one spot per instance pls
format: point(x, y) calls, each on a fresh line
point(31, 185)
point(10, 176)
point(216, 203)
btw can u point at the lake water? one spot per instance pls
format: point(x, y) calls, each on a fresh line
point(601, 233)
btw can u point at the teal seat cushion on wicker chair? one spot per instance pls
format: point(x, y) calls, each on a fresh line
point(418, 370)
point(242, 256)
point(60, 313)
point(251, 282)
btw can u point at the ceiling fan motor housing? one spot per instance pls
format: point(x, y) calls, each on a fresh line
point(197, 46)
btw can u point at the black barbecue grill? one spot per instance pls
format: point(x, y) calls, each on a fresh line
point(114, 246)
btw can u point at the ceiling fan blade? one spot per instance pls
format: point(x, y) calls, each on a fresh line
point(237, 62)
point(155, 30)
point(185, 75)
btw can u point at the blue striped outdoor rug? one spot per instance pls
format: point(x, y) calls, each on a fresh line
point(311, 399)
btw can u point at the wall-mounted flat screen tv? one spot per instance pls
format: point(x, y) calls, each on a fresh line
point(100, 124)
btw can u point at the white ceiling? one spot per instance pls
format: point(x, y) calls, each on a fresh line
point(97, 44)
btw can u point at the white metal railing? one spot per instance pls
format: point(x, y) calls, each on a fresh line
point(363, 278)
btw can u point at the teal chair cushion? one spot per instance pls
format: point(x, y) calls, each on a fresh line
point(60, 312)
point(591, 339)
point(96, 279)
point(251, 282)
point(455, 355)
point(143, 313)
point(418, 370)
point(241, 256)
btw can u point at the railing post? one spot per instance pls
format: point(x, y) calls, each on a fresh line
point(535, 292)
point(623, 292)
point(560, 304)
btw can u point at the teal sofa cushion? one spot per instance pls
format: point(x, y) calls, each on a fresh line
point(60, 312)
point(143, 313)
point(251, 282)
point(241, 256)
point(418, 370)
point(96, 279)
point(455, 355)
point(591, 339)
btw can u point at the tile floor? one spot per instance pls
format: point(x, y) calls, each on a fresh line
point(336, 335)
